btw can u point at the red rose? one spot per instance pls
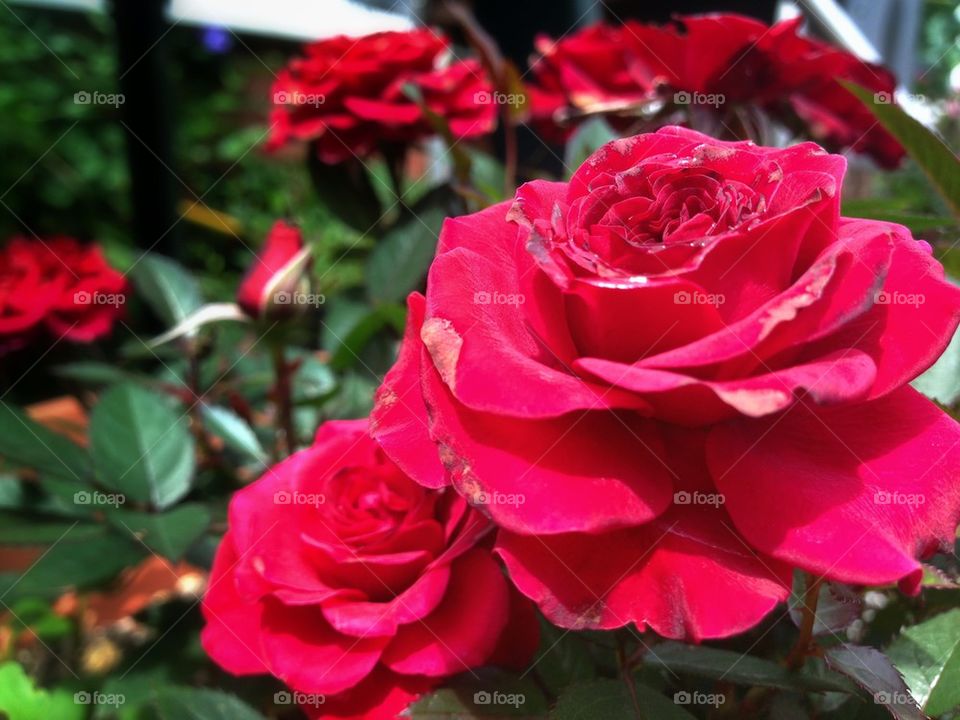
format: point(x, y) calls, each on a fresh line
point(592, 67)
point(694, 370)
point(347, 95)
point(275, 273)
point(726, 56)
point(347, 580)
point(60, 285)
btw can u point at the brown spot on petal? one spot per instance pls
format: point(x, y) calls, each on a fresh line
point(444, 343)
point(787, 309)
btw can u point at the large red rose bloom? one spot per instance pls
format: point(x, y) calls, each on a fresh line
point(57, 285)
point(357, 587)
point(695, 371)
point(349, 97)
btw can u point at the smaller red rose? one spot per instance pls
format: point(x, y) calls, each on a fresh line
point(58, 285)
point(349, 95)
point(357, 587)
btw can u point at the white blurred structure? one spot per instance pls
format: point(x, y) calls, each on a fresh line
point(295, 19)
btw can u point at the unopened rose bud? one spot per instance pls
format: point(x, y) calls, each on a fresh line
point(276, 275)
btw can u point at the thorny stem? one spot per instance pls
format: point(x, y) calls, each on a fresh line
point(808, 611)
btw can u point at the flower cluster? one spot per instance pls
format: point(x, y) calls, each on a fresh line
point(350, 96)
point(714, 61)
point(59, 286)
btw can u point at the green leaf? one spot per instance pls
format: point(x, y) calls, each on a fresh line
point(187, 703)
point(347, 191)
point(611, 700)
point(96, 373)
point(25, 443)
point(314, 380)
point(736, 668)
point(872, 670)
point(234, 431)
point(141, 447)
point(79, 561)
point(24, 530)
point(487, 694)
point(168, 534)
point(928, 655)
point(936, 160)
point(350, 325)
point(399, 262)
point(169, 288)
point(20, 700)
point(589, 136)
point(941, 381)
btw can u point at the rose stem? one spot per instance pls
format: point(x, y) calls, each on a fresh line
point(808, 617)
point(286, 439)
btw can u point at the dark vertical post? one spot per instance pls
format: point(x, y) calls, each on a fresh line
point(140, 27)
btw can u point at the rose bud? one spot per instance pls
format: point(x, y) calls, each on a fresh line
point(278, 274)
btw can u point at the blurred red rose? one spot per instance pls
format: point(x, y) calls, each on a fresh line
point(727, 59)
point(275, 273)
point(357, 587)
point(58, 285)
point(347, 94)
point(695, 373)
